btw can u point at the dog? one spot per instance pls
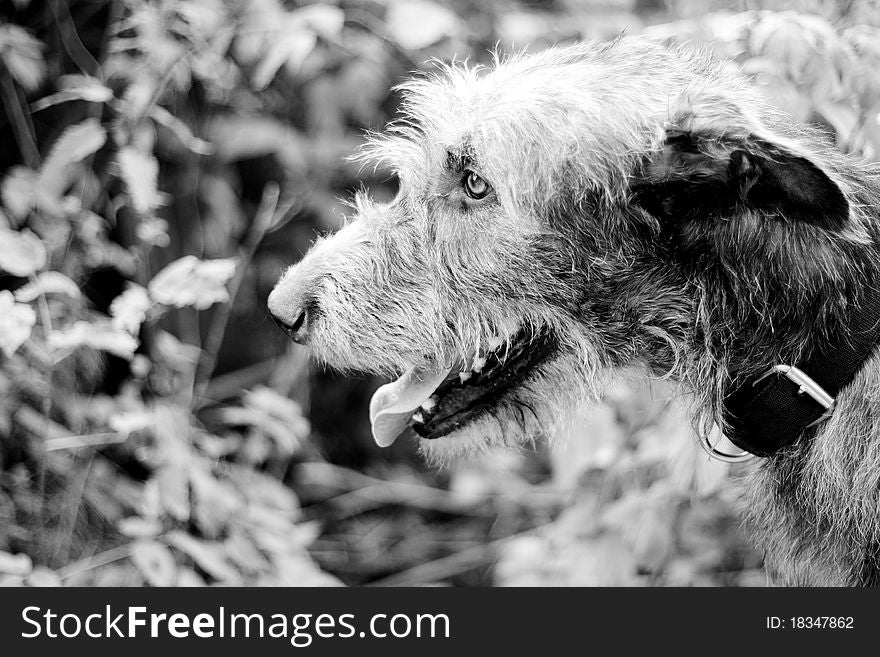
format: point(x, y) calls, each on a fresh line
point(604, 206)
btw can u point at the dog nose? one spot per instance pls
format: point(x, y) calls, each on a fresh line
point(293, 308)
point(296, 329)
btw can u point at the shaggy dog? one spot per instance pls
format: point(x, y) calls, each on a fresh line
point(603, 206)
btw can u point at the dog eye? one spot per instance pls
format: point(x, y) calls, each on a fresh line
point(475, 187)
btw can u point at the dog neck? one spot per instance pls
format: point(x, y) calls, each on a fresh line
point(715, 316)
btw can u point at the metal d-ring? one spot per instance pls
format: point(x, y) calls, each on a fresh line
point(724, 457)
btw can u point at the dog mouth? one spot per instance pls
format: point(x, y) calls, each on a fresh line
point(434, 403)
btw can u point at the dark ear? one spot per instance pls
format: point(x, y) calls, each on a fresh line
point(696, 178)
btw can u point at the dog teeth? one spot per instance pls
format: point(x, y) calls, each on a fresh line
point(418, 418)
point(464, 376)
point(429, 404)
point(479, 364)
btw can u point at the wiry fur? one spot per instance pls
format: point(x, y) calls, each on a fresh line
point(599, 232)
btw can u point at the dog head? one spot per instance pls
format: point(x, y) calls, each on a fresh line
point(560, 215)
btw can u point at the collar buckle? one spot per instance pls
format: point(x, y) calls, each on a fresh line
point(806, 385)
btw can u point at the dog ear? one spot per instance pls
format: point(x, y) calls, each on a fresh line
point(694, 177)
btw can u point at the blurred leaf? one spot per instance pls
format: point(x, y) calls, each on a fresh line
point(75, 87)
point(277, 416)
point(782, 38)
point(21, 252)
point(155, 562)
point(594, 442)
point(22, 55)
point(48, 282)
point(16, 322)
point(99, 335)
point(325, 20)
point(872, 134)
point(278, 535)
point(207, 556)
point(140, 171)
point(18, 191)
point(172, 480)
point(520, 28)
point(842, 117)
point(137, 527)
point(273, 403)
point(289, 50)
point(139, 96)
point(15, 564)
point(240, 137)
point(865, 41)
point(224, 218)
point(214, 502)
point(129, 310)
point(76, 143)
point(127, 422)
point(417, 24)
point(193, 282)
point(187, 577)
point(43, 577)
point(273, 37)
point(180, 130)
point(296, 569)
point(244, 554)
point(153, 232)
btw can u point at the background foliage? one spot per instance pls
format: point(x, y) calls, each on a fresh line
point(163, 160)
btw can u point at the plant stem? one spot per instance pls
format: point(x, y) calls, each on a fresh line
point(267, 215)
point(24, 135)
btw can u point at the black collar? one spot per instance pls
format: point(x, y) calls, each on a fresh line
point(770, 412)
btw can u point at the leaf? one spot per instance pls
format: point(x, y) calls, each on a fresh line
point(137, 527)
point(417, 24)
point(297, 569)
point(865, 42)
point(75, 87)
point(843, 118)
point(246, 136)
point(99, 335)
point(155, 562)
point(16, 322)
point(189, 281)
point(278, 417)
point(129, 310)
point(18, 191)
point(43, 577)
point(75, 144)
point(153, 231)
point(291, 50)
point(241, 550)
point(15, 564)
point(21, 252)
point(208, 556)
point(323, 19)
point(173, 481)
point(214, 502)
point(22, 55)
point(273, 38)
point(127, 422)
point(187, 577)
point(267, 493)
point(140, 172)
point(180, 130)
point(49, 282)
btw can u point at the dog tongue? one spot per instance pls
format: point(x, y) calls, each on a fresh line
point(393, 404)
